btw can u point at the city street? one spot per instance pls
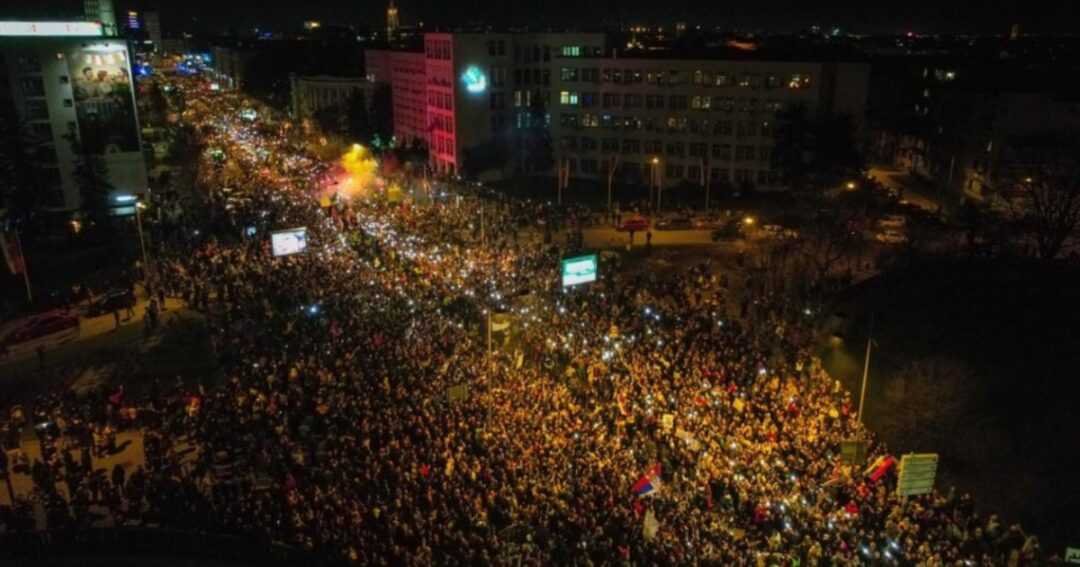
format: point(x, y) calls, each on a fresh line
point(919, 196)
point(414, 382)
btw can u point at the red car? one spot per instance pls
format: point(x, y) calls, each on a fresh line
point(635, 223)
point(46, 324)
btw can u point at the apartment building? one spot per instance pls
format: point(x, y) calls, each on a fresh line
point(405, 73)
point(975, 126)
point(309, 94)
point(66, 81)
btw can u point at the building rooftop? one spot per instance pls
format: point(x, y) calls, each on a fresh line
point(749, 49)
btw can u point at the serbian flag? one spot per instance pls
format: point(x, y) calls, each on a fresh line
point(649, 483)
point(879, 467)
point(192, 404)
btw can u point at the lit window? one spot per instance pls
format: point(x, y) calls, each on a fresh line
point(799, 81)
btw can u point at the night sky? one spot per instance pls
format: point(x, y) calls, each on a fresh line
point(859, 16)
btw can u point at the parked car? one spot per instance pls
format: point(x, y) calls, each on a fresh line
point(680, 223)
point(113, 300)
point(890, 237)
point(778, 232)
point(731, 230)
point(42, 325)
point(893, 221)
point(636, 223)
point(857, 224)
point(708, 223)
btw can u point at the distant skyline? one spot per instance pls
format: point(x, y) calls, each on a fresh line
point(881, 16)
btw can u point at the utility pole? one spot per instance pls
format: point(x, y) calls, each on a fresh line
point(563, 177)
point(659, 189)
point(139, 206)
point(25, 269)
point(613, 164)
point(706, 178)
point(654, 179)
point(491, 361)
point(866, 369)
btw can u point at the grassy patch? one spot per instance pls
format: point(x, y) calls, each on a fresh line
point(978, 361)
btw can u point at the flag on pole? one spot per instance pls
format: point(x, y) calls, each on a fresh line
point(9, 241)
point(649, 483)
point(879, 467)
point(500, 322)
point(651, 526)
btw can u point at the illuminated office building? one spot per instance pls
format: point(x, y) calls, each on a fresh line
point(690, 115)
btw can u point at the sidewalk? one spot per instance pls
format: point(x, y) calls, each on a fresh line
point(89, 328)
point(129, 457)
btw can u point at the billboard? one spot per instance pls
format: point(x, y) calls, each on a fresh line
point(104, 98)
point(579, 270)
point(51, 29)
point(288, 242)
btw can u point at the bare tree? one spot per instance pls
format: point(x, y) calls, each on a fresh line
point(1046, 206)
point(823, 244)
point(935, 393)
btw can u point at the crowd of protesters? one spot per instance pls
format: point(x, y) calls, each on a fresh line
point(334, 430)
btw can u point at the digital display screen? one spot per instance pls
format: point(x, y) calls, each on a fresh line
point(288, 242)
point(579, 270)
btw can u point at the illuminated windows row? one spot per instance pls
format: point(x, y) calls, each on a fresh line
point(437, 49)
point(692, 173)
point(671, 124)
point(441, 100)
point(443, 145)
point(676, 77)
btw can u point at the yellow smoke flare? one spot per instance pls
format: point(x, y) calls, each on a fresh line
point(360, 169)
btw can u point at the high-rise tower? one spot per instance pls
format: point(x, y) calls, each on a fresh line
point(391, 20)
point(101, 11)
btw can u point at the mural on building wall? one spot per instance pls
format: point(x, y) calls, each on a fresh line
point(104, 99)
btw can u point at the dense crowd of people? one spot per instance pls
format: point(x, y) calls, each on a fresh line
point(335, 430)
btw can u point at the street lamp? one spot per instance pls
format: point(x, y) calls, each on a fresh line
point(851, 186)
point(656, 180)
point(139, 206)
